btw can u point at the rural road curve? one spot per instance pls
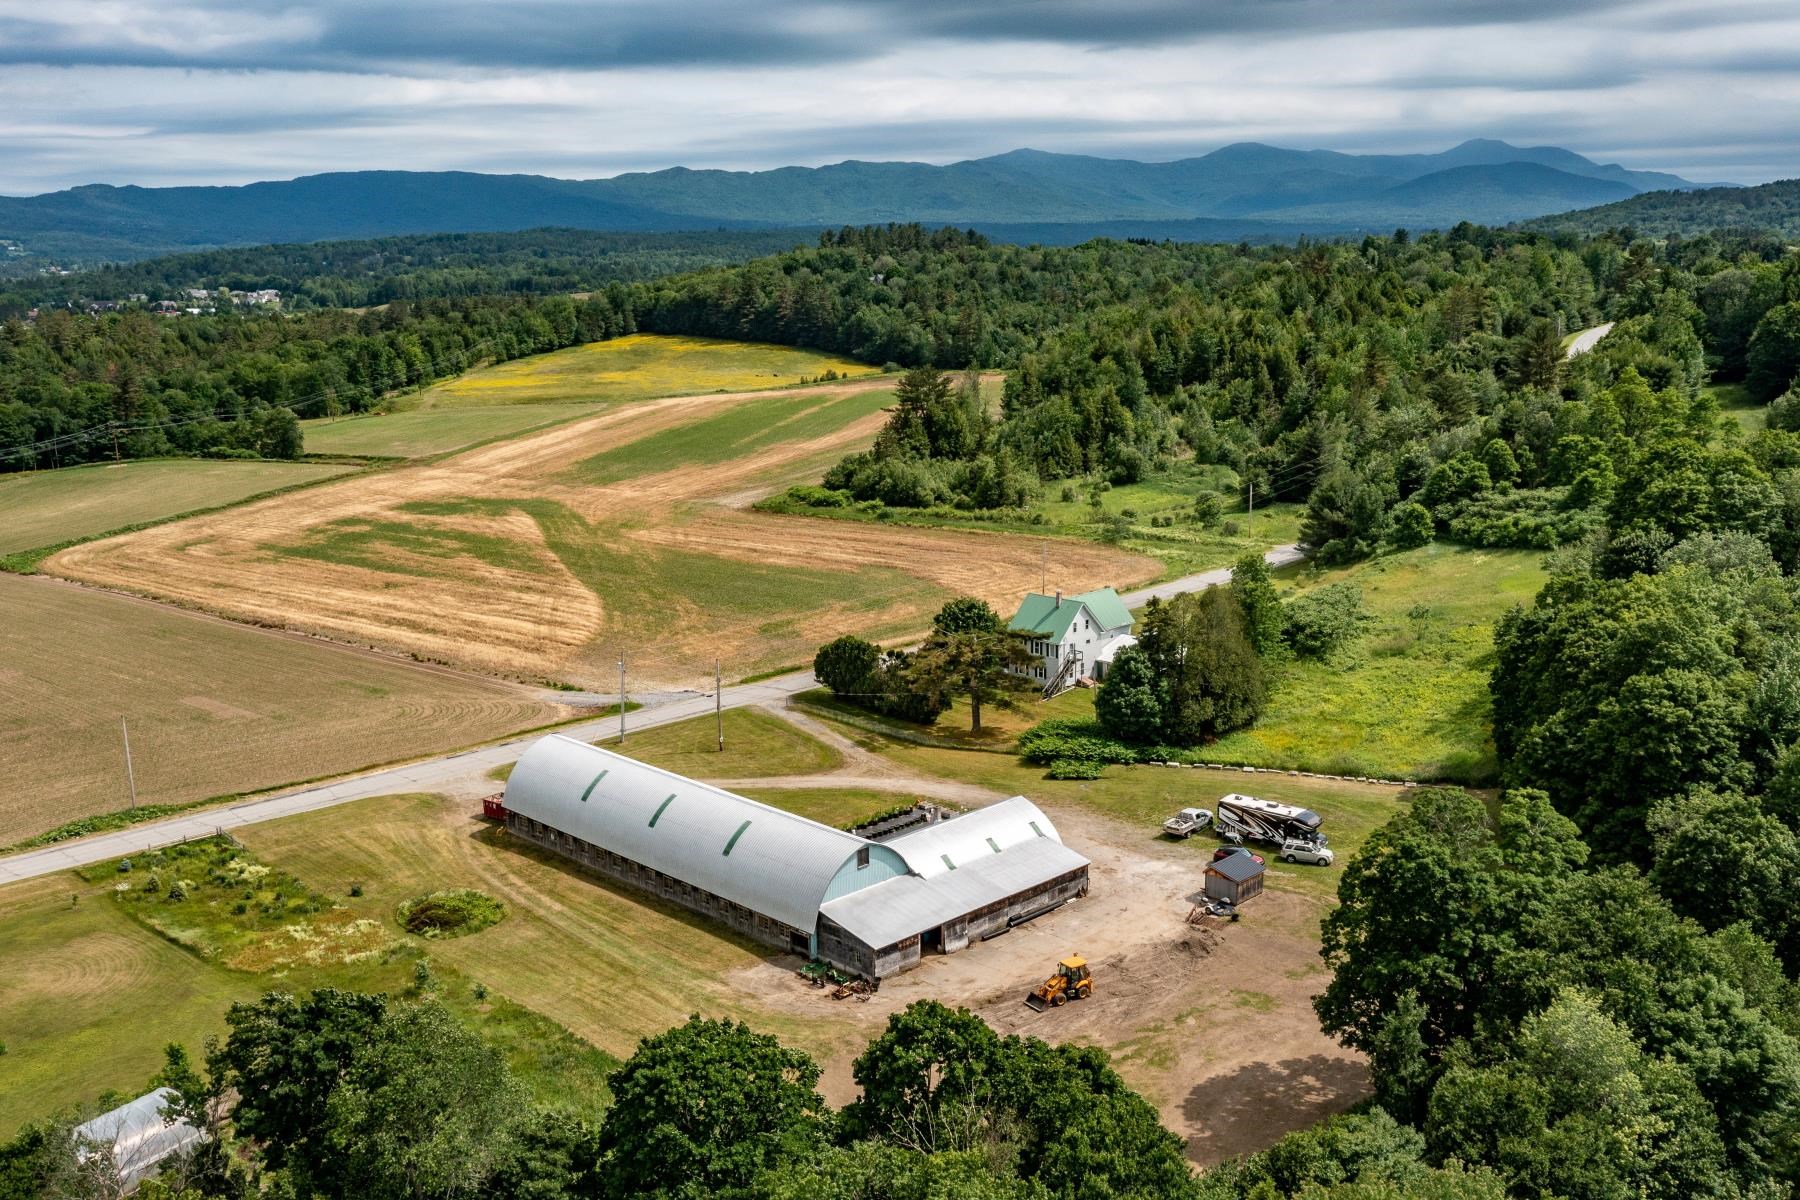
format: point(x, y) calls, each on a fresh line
point(1587, 338)
point(463, 771)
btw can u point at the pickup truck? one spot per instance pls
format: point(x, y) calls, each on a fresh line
point(1187, 821)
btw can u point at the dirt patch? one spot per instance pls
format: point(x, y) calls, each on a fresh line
point(1214, 1025)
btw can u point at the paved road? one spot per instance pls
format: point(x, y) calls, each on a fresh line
point(1587, 338)
point(1280, 556)
point(462, 772)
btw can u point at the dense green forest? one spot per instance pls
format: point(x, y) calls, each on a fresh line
point(1585, 990)
point(362, 273)
point(1773, 208)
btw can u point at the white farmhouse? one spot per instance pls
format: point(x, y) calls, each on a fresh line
point(1072, 637)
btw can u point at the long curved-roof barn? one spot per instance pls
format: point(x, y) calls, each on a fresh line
point(786, 880)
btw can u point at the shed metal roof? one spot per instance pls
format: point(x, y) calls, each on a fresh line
point(959, 842)
point(1236, 867)
point(900, 907)
point(771, 861)
point(1046, 617)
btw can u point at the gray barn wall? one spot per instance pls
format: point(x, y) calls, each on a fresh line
point(604, 862)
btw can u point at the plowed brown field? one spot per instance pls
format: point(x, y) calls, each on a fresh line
point(548, 555)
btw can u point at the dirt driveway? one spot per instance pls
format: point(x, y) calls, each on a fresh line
point(1215, 1027)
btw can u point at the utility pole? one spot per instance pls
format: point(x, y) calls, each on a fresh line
point(719, 701)
point(621, 697)
point(130, 776)
point(1044, 571)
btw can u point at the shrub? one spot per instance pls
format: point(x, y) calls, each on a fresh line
point(356, 889)
point(1067, 740)
point(1229, 529)
point(1411, 526)
point(1321, 621)
point(1068, 493)
point(814, 496)
point(1207, 508)
point(450, 913)
point(1074, 768)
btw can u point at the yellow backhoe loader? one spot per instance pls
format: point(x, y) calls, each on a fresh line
point(1072, 981)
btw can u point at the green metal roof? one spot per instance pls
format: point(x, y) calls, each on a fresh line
point(1043, 616)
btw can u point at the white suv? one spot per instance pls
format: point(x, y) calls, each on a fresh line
point(1296, 851)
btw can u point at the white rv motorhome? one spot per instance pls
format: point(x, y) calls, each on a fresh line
point(1245, 818)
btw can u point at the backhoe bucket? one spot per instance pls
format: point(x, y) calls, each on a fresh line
point(1036, 1002)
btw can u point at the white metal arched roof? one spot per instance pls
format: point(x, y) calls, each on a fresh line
point(973, 837)
point(771, 861)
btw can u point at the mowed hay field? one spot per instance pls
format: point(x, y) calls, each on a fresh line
point(214, 709)
point(420, 432)
point(608, 963)
point(546, 555)
point(643, 366)
point(47, 508)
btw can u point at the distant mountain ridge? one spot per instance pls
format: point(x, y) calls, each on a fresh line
point(1247, 185)
point(1767, 206)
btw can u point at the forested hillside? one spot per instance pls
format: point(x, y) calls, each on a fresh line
point(1773, 207)
point(357, 274)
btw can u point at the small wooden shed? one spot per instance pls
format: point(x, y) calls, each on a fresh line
point(1234, 879)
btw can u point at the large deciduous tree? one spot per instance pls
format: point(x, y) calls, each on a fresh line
point(969, 653)
point(703, 1108)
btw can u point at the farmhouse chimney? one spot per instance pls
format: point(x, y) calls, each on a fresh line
point(1059, 597)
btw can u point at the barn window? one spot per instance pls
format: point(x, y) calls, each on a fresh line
point(862, 858)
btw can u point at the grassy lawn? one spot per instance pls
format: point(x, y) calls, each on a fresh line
point(1408, 699)
point(1735, 402)
point(99, 980)
point(757, 745)
point(430, 431)
point(47, 508)
point(1000, 727)
point(214, 709)
point(640, 367)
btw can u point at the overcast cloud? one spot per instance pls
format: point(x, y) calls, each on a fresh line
point(223, 91)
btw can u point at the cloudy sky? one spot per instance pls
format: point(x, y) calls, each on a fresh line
point(229, 91)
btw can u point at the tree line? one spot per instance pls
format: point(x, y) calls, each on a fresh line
point(374, 271)
point(351, 1095)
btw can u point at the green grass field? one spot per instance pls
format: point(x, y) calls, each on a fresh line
point(640, 367)
point(1183, 547)
point(430, 431)
point(1734, 401)
point(757, 745)
point(737, 432)
point(1409, 699)
point(47, 508)
point(576, 972)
